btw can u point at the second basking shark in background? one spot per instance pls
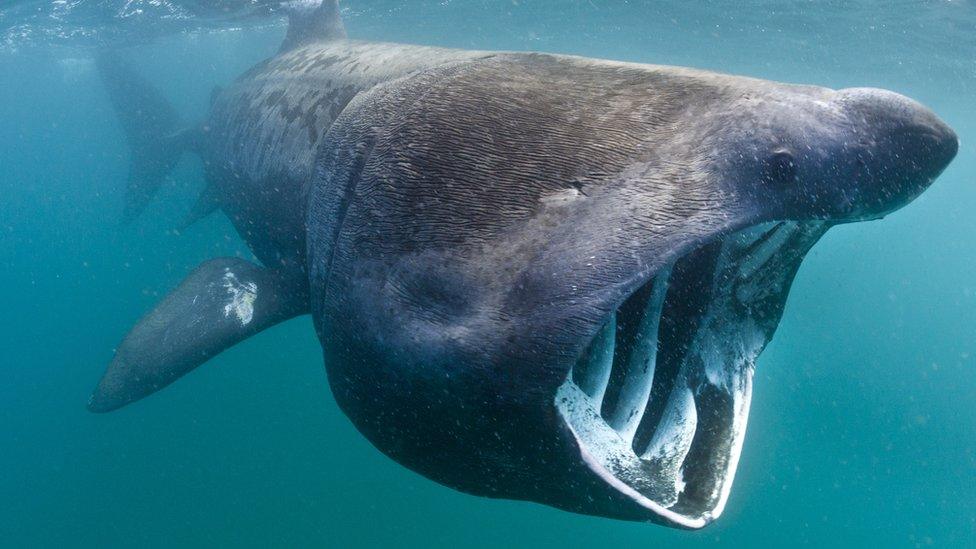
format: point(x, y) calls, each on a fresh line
point(537, 277)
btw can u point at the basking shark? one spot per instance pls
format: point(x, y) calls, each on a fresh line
point(537, 277)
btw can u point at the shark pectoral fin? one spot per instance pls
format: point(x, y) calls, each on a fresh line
point(221, 303)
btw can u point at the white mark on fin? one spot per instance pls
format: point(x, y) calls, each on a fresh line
point(242, 297)
point(562, 197)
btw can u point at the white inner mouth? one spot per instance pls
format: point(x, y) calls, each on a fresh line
point(659, 400)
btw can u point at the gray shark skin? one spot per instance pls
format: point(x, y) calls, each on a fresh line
point(534, 276)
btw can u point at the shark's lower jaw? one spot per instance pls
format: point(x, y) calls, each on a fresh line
point(659, 400)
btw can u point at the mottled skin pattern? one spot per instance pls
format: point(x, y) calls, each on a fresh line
point(264, 131)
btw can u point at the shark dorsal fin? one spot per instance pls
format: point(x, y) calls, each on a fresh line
point(312, 21)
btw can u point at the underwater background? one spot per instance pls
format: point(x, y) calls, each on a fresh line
point(862, 430)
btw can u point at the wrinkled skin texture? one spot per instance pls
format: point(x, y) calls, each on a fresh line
point(467, 239)
point(265, 130)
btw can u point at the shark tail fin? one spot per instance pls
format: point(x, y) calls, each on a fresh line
point(154, 132)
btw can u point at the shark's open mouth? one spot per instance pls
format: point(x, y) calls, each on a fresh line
point(658, 401)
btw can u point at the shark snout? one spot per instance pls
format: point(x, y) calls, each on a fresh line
point(900, 147)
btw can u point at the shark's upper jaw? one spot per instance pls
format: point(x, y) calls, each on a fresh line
point(658, 401)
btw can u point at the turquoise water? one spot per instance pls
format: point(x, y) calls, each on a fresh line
point(862, 429)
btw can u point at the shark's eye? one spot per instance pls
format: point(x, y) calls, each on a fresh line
point(780, 167)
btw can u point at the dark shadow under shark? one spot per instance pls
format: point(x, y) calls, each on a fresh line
point(534, 276)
